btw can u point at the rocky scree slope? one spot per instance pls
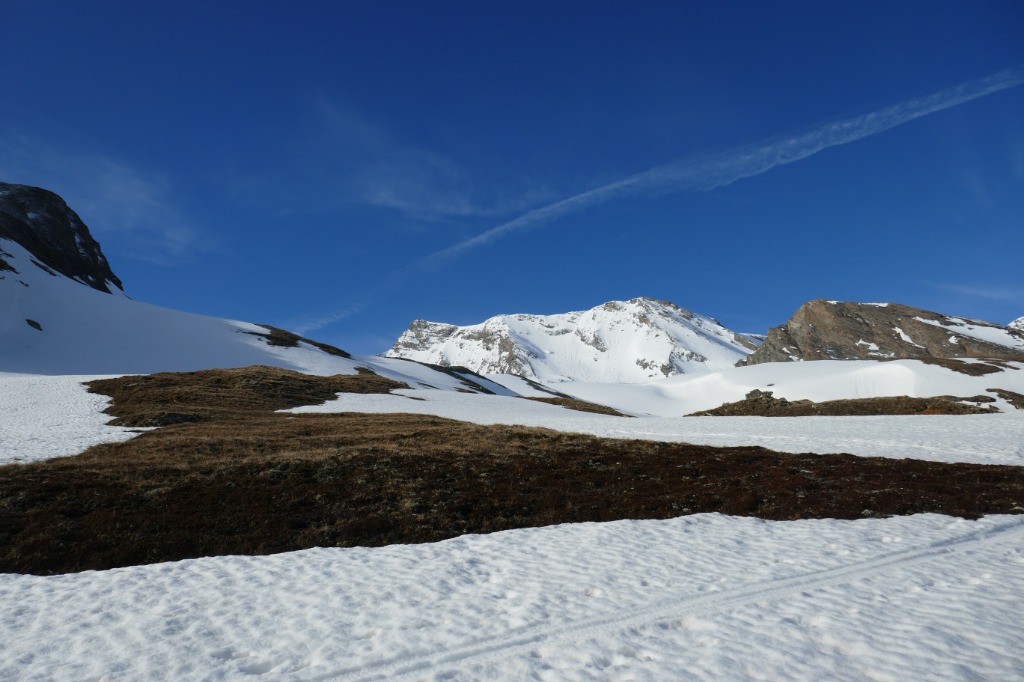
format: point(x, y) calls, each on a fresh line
point(619, 341)
point(46, 227)
point(836, 330)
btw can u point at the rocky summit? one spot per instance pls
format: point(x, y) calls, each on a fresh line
point(42, 223)
point(619, 341)
point(836, 330)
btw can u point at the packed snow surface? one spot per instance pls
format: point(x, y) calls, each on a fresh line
point(704, 597)
point(619, 341)
point(52, 416)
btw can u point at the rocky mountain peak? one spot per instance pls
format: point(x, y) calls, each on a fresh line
point(42, 223)
point(838, 330)
point(618, 341)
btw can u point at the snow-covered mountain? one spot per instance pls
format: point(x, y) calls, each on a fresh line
point(1017, 324)
point(62, 311)
point(619, 341)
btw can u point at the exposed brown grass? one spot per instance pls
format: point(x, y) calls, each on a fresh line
point(1015, 399)
point(225, 394)
point(286, 339)
point(579, 405)
point(242, 479)
point(895, 405)
point(975, 369)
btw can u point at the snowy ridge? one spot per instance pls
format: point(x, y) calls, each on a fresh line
point(619, 341)
point(53, 325)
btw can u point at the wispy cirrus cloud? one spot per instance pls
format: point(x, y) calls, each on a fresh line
point(367, 164)
point(703, 173)
point(115, 199)
point(988, 292)
point(700, 173)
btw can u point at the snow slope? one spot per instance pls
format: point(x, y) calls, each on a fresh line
point(85, 331)
point(619, 341)
point(818, 381)
point(712, 597)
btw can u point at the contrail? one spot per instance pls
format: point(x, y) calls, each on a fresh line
point(703, 173)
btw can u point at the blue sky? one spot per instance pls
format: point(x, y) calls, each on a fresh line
point(331, 167)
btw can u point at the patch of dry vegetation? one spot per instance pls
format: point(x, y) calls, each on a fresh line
point(242, 479)
point(764, 404)
point(225, 394)
point(286, 339)
point(579, 405)
point(1015, 399)
point(977, 368)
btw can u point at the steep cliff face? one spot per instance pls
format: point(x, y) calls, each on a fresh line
point(46, 227)
point(619, 341)
point(835, 330)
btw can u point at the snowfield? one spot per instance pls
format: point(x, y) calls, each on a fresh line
point(818, 380)
point(704, 597)
point(42, 417)
point(52, 416)
point(984, 439)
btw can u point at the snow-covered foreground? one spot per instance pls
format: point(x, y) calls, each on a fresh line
point(698, 597)
point(984, 439)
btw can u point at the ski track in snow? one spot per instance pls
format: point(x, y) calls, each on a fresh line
point(698, 597)
point(669, 607)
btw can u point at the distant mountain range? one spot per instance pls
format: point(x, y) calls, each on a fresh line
point(63, 311)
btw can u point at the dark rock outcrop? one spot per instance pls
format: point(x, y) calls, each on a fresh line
point(835, 330)
point(59, 241)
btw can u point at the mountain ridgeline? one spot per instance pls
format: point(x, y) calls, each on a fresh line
point(42, 223)
point(836, 330)
point(619, 341)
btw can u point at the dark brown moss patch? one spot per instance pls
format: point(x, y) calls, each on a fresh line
point(1015, 399)
point(764, 404)
point(225, 394)
point(286, 339)
point(579, 405)
point(976, 368)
